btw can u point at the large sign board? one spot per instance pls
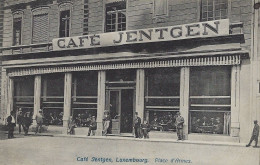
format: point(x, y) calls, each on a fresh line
point(159, 34)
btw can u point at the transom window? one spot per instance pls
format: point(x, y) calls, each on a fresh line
point(214, 9)
point(116, 17)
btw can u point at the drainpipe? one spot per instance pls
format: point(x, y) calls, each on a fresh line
point(254, 62)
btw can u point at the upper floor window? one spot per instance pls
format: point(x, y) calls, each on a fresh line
point(40, 28)
point(65, 16)
point(214, 9)
point(17, 28)
point(160, 8)
point(85, 19)
point(116, 16)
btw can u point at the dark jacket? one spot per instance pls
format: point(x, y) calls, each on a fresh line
point(256, 130)
point(137, 122)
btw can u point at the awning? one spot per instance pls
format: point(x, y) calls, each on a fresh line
point(193, 61)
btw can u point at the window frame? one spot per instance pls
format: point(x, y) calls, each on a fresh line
point(105, 16)
point(163, 15)
point(17, 14)
point(42, 10)
point(63, 7)
point(200, 11)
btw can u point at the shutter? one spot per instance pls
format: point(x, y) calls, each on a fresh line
point(40, 28)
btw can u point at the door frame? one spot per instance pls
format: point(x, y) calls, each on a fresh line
point(119, 89)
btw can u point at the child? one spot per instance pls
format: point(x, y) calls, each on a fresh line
point(145, 129)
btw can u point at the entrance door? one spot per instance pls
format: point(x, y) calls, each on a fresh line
point(121, 106)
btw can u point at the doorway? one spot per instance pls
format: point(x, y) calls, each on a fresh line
point(120, 103)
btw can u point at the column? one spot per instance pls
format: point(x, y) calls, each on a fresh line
point(3, 96)
point(67, 98)
point(44, 89)
point(235, 100)
point(101, 101)
point(37, 96)
point(184, 98)
point(140, 83)
point(10, 96)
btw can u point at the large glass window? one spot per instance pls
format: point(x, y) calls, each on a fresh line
point(24, 94)
point(162, 97)
point(210, 100)
point(53, 98)
point(214, 9)
point(115, 16)
point(84, 97)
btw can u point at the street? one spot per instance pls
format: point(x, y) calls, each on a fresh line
point(43, 150)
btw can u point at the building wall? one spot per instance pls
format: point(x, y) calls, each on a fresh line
point(140, 14)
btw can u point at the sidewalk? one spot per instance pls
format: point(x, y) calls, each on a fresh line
point(214, 143)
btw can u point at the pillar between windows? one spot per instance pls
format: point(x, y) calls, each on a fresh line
point(10, 96)
point(184, 98)
point(101, 101)
point(67, 98)
point(3, 95)
point(37, 96)
point(235, 101)
point(140, 82)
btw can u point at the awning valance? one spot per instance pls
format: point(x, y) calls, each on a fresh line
point(198, 61)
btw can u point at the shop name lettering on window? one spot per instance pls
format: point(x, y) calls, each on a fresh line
point(188, 31)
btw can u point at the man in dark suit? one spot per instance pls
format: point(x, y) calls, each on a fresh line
point(137, 125)
point(179, 125)
point(11, 124)
point(255, 135)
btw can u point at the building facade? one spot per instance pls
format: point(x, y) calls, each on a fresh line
point(81, 58)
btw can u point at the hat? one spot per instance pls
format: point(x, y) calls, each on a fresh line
point(93, 116)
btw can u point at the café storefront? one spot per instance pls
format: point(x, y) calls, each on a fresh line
point(156, 72)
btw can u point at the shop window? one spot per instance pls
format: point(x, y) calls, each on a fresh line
point(214, 9)
point(162, 97)
point(40, 29)
point(115, 16)
point(84, 97)
point(86, 16)
point(24, 94)
point(210, 100)
point(53, 98)
point(160, 8)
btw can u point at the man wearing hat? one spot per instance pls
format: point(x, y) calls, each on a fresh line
point(255, 135)
point(20, 119)
point(92, 126)
point(39, 121)
point(137, 125)
point(179, 125)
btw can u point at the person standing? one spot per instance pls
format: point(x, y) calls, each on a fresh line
point(71, 126)
point(92, 126)
point(145, 129)
point(137, 124)
point(106, 122)
point(20, 119)
point(27, 121)
point(39, 121)
point(255, 135)
point(11, 124)
point(179, 125)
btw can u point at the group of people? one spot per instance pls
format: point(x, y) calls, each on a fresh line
point(91, 123)
point(22, 118)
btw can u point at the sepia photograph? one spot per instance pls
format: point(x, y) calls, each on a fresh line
point(129, 82)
